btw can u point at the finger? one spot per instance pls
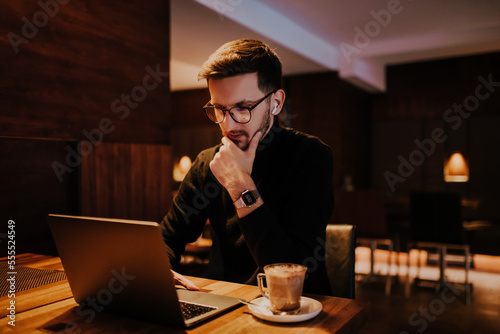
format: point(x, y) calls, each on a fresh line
point(228, 143)
point(184, 281)
point(189, 285)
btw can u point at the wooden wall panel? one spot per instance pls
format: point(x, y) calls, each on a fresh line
point(428, 89)
point(355, 113)
point(323, 105)
point(192, 131)
point(83, 70)
point(66, 77)
point(30, 190)
point(191, 141)
point(187, 108)
point(313, 107)
point(419, 99)
point(397, 165)
point(484, 160)
point(130, 181)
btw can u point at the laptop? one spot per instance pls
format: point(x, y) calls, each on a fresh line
point(121, 266)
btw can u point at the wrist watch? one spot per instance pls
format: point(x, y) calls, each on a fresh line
point(247, 198)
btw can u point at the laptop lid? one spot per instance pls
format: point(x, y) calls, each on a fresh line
point(121, 266)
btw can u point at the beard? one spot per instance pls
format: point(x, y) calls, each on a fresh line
point(244, 139)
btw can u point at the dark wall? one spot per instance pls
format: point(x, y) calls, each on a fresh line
point(192, 131)
point(431, 110)
point(67, 77)
point(426, 90)
point(122, 180)
point(325, 106)
point(29, 190)
point(75, 77)
point(187, 108)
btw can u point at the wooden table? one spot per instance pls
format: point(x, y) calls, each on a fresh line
point(51, 309)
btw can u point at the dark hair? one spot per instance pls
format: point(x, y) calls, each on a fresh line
point(244, 56)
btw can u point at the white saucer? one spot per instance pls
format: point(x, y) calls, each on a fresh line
point(309, 308)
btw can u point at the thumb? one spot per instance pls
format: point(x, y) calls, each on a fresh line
point(179, 279)
point(252, 146)
point(189, 285)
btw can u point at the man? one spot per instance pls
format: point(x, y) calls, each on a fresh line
point(266, 190)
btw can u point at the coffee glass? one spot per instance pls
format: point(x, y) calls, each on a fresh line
point(285, 282)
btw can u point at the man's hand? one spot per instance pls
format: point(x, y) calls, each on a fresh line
point(232, 167)
point(179, 279)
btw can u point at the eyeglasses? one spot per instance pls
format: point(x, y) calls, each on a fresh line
point(239, 114)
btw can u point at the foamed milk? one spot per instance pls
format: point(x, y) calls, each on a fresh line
point(285, 283)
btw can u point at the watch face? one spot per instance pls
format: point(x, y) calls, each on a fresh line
point(248, 198)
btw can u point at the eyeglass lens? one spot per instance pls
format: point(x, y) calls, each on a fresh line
point(239, 114)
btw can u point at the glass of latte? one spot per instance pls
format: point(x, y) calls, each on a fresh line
point(284, 287)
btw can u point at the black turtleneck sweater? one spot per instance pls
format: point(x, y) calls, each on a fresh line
point(293, 173)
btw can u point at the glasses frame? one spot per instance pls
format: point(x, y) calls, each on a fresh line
point(209, 105)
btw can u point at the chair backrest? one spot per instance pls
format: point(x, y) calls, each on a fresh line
point(340, 247)
point(436, 217)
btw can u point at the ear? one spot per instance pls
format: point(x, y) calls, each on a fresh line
point(278, 101)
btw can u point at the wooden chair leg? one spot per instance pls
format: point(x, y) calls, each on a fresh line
point(388, 280)
point(407, 283)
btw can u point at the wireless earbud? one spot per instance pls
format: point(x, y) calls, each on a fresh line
point(275, 107)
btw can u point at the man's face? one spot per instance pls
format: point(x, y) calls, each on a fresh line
point(241, 90)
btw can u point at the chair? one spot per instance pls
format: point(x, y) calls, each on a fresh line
point(436, 224)
point(340, 257)
point(365, 209)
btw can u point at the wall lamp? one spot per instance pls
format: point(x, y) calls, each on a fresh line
point(456, 168)
point(181, 168)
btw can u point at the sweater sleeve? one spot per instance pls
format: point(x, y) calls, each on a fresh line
point(187, 216)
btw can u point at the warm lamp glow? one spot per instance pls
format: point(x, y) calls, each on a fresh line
point(456, 169)
point(184, 164)
point(181, 168)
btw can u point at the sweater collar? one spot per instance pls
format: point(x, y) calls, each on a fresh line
point(271, 140)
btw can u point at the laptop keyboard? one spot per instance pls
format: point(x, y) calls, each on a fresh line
point(190, 310)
